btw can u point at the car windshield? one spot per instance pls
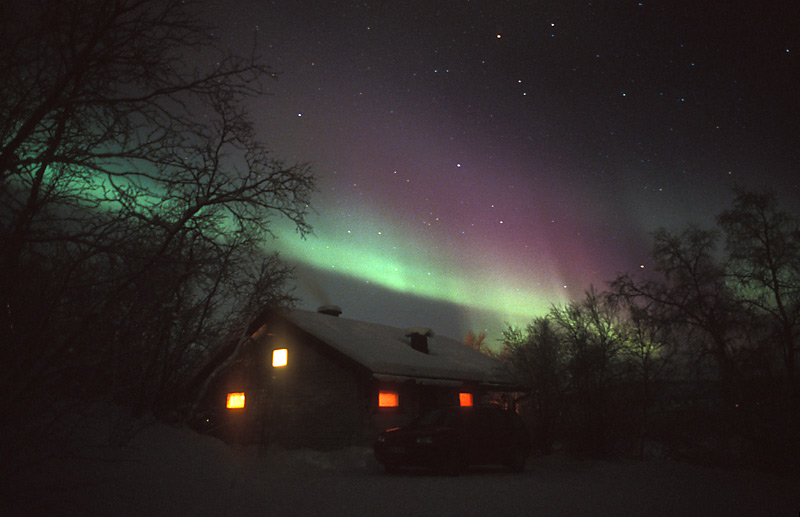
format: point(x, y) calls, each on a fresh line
point(437, 418)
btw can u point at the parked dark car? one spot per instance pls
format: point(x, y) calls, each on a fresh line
point(452, 439)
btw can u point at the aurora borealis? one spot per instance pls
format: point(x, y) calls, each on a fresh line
point(481, 160)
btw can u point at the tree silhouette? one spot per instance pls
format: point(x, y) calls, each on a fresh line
point(763, 245)
point(698, 357)
point(537, 359)
point(692, 292)
point(134, 198)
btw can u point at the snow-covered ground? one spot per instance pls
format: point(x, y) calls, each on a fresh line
point(169, 471)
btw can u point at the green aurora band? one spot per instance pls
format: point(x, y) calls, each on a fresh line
point(384, 250)
point(390, 255)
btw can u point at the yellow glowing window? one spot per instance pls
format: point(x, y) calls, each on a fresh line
point(280, 357)
point(465, 399)
point(387, 399)
point(235, 401)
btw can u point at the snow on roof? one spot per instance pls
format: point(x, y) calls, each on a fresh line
point(386, 351)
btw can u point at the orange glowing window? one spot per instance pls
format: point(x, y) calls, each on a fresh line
point(465, 399)
point(387, 399)
point(280, 357)
point(235, 401)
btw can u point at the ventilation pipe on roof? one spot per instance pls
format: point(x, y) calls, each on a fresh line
point(330, 310)
point(418, 338)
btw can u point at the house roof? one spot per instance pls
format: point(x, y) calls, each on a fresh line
point(387, 353)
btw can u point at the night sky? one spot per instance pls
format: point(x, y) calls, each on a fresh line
point(479, 161)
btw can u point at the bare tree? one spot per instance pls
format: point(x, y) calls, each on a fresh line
point(593, 336)
point(594, 333)
point(692, 291)
point(537, 358)
point(763, 244)
point(648, 353)
point(134, 196)
point(476, 341)
point(570, 359)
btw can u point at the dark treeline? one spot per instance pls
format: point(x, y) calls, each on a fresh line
point(696, 359)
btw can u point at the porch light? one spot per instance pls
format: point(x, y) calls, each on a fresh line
point(387, 399)
point(465, 399)
point(235, 401)
point(280, 357)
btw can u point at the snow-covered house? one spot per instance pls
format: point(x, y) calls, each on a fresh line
point(315, 379)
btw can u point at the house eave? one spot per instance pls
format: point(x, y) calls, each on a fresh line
point(435, 381)
point(427, 381)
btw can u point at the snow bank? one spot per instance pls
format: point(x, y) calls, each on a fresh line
point(169, 471)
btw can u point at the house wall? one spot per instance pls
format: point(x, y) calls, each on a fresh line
point(416, 399)
point(386, 418)
point(314, 401)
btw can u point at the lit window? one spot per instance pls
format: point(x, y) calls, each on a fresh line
point(280, 357)
point(235, 401)
point(387, 399)
point(465, 399)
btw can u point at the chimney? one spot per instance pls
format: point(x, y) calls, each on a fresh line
point(330, 310)
point(418, 337)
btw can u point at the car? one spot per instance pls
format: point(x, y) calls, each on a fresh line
point(452, 439)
